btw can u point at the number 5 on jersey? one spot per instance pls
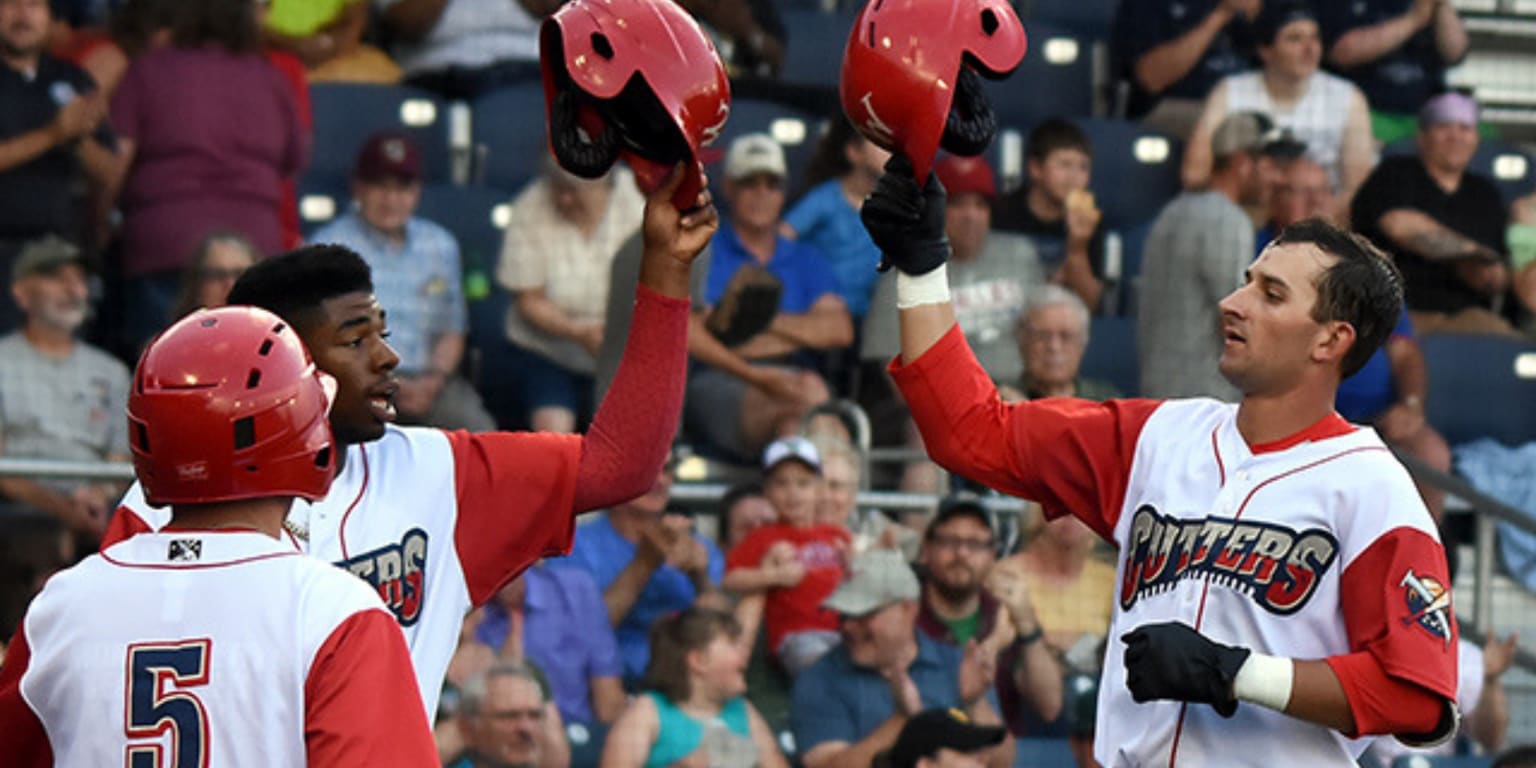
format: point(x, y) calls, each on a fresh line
point(159, 676)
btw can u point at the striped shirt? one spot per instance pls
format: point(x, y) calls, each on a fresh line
point(1318, 118)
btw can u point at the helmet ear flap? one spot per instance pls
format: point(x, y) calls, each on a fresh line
point(971, 123)
point(577, 151)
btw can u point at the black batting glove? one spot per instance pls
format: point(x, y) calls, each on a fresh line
point(906, 221)
point(1173, 661)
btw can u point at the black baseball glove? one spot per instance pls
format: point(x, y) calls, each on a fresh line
point(747, 306)
point(906, 221)
point(1173, 661)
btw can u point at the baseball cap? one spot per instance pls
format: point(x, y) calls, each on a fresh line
point(935, 729)
point(961, 504)
point(876, 578)
point(1276, 14)
point(1449, 107)
point(1254, 133)
point(791, 449)
point(388, 156)
point(44, 255)
point(960, 175)
point(754, 153)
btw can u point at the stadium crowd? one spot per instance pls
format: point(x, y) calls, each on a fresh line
point(152, 150)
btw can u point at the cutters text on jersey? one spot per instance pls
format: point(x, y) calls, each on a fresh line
point(398, 572)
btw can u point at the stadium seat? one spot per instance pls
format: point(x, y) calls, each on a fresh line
point(586, 740)
point(320, 201)
point(1481, 386)
point(1111, 354)
point(1135, 170)
point(814, 45)
point(477, 217)
point(509, 137)
point(1055, 79)
point(1512, 169)
point(1043, 753)
point(346, 114)
point(796, 132)
point(1093, 19)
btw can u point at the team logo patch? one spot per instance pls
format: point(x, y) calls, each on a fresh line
point(184, 550)
point(398, 572)
point(1277, 567)
point(1429, 605)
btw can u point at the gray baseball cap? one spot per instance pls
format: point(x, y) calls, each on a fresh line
point(876, 578)
point(43, 256)
point(1256, 134)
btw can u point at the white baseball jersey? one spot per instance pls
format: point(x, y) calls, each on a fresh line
point(436, 521)
point(1315, 547)
point(199, 649)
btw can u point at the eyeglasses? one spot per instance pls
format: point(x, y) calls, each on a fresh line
point(974, 546)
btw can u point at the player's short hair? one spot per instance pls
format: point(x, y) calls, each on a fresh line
point(472, 692)
point(1362, 288)
point(675, 636)
point(292, 285)
point(1055, 134)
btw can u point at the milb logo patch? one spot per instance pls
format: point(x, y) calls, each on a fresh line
point(1429, 605)
point(398, 572)
point(1275, 566)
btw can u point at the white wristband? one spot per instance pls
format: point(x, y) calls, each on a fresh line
point(1265, 680)
point(931, 287)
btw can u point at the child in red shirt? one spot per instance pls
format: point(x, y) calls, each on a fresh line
point(795, 560)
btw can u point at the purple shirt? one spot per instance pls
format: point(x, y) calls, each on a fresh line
point(214, 135)
point(565, 632)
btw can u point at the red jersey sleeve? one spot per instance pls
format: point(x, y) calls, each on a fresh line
point(514, 496)
point(124, 523)
point(1402, 634)
point(23, 741)
point(361, 703)
point(1072, 456)
point(749, 553)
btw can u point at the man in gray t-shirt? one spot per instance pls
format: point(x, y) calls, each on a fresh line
point(59, 397)
point(1198, 251)
point(990, 275)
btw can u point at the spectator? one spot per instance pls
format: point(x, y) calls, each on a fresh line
point(745, 395)
point(418, 282)
point(465, 48)
point(208, 131)
point(60, 398)
point(327, 36)
point(941, 738)
point(51, 132)
point(842, 172)
point(648, 563)
point(1175, 53)
point(965, 602)
point(839, 505)
point(220, 260)
point(561, 240)
point(796, 561)
point(1443, 224)
point(1479, 695)
point(507, 719)
point(852, 704)
point(80, 35)
point(990, 273)
point(1517, 757)
point(1325, 112)
point(1052, 337)
point(743, 509)
point(1197, 252)
point(1303, 191)
point(1056, 210)
point(1396, 51)
point(693, 711)
point(555, 618)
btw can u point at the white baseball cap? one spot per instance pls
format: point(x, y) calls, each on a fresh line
point(791, 449)
point(754, 153)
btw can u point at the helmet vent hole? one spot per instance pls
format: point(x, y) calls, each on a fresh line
point(141, 435)
point(253, 378)
point(872, 34)
point(323, 457)
point(245, 433)
point(278, 328)
point(266, 346)
point(601, 45)
point(989, 22)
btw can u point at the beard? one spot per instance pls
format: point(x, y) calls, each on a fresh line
point(955, 591)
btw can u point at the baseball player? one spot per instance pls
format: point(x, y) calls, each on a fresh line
point(215, 641)
point(1282, 589)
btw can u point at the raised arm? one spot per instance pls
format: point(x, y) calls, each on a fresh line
point(1168, 63)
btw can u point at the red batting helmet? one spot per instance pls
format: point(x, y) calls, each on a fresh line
point(226, 404)
point(909, 74)
point(636, 79)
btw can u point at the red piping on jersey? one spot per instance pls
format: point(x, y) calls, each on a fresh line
point(199, 566)
point(361, 489)
point(1216, 449)
point(1205, 589)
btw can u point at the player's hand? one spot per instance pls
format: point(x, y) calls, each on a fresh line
point(1498, 655)
point(906, 221)
point(681, 235)
point(1172, 661)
